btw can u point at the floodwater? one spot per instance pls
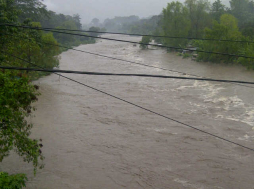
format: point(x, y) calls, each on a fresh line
point(93, 141)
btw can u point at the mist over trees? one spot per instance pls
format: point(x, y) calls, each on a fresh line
point(61, 21)
point(95, 22)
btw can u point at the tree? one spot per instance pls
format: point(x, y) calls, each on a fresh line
point(217, 9)
point(77, 19)
point(240, 9)
point(248, 29)
point(64, 38)
point(31, 45)
point(16, 97)
point(227, 29)
point(145, 40)
point(7, 11)
point(95, 29)
point(17, 93)
point(32, 9)
point(175, 22)
point(95, 22)
point(110, 25)
point(198, 14)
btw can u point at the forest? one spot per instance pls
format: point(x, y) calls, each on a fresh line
point(200, 19)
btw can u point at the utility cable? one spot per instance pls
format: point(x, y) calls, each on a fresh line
point(138, 106)
point(125, 75)
point(132, 62)
point(110, 57)
point(140, 35)
point(139, 43)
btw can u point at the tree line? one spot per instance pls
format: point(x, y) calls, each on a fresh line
point(200, 19)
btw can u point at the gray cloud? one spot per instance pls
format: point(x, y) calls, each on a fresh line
point(102, 9)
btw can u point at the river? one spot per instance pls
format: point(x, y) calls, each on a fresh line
point(94, 141)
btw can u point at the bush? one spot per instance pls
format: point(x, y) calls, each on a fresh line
point(12, 181)
point(186, 55)
point(145, 40)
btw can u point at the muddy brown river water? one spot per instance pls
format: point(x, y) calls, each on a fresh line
point(93, 141)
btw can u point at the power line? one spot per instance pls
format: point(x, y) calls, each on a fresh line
point(125, 75)
point(113, 58)
point(141, 35)
point(139, 43)
point(132, 62)
point(148, 110)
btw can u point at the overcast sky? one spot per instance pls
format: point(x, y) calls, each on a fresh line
point(102, 9)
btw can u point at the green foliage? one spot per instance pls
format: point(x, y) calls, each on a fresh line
point(243, 10)
point(247, 50)
point(198, 12)
point(70, 40)
point(199, 19)
point(175, 22)
point(61, 21)
point(217, 10)
point(248, 29)
point(76, 18)
point(64, 38)
point(8, 12)
point(16, 92)
point(227, 29)
point(145, 40)
point(16, 97)
point(12, 181)
point(158, 32)
point(30, 9)
point(31, 45)
point(186, 55)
